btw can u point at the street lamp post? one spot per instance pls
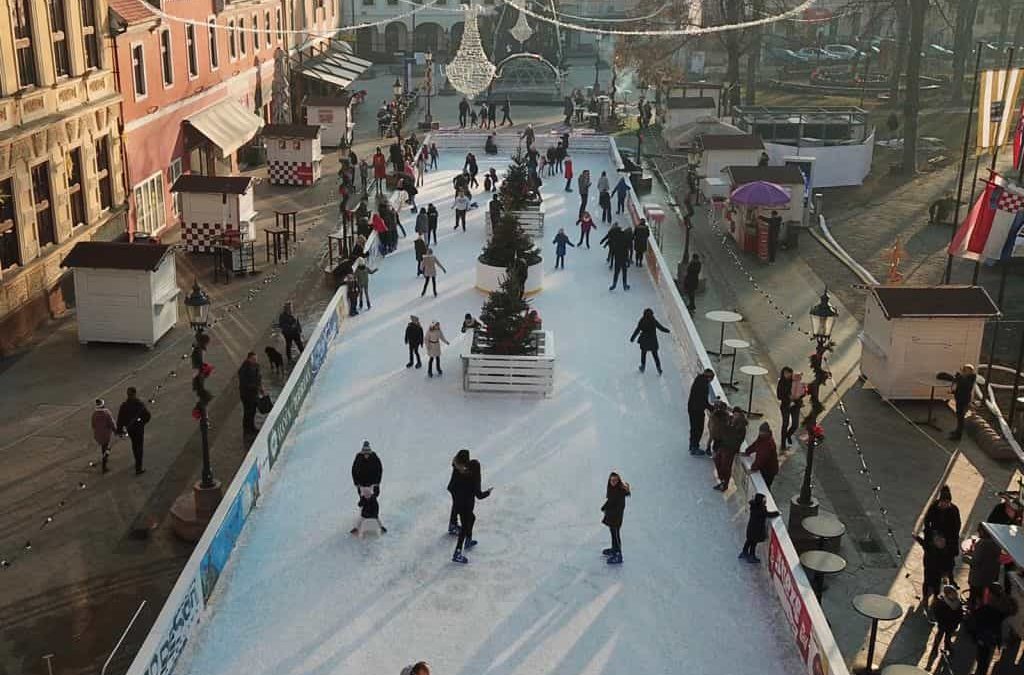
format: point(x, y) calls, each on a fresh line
point(429, 119)
point(396, 89)
point(823, 318)
point(197, 304)
point(597, 64)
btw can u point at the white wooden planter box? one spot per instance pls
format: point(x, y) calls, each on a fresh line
point(488, 277)
point(532, 222)
point(533, 374)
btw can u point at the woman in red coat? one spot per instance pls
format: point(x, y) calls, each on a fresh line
point(567, 169)
point(766, 455)
point(380, 170)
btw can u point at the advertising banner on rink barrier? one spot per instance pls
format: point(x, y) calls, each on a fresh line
point(792, 597)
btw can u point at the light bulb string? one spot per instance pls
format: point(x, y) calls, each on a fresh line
point(596, 19)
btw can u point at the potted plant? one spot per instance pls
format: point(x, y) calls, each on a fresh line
point(509, 246)
point(521, 199)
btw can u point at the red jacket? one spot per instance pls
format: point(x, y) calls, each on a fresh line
point(766, 456)
point(567, 167)
point(103, 426)
point(378, 224)
point(380, 166)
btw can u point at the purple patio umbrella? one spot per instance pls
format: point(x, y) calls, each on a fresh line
point(760, 193)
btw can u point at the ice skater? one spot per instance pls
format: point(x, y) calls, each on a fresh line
point(369, 509)
point(429, 266)
point(367, 472)
point(431, 223)
point(614, 507)
point(567, 173)
point(418, 668)
point(435, 336)
point(583, 182)
point(697, 405)
point(414, 340)
point(465, 489)
point(561, 241)
point(735, 434)
point(459, 463)
point(647, 328)
point(469, 323)
point(461, 206)
point(363, 273)
point(641, 233)
point(757, 528)
point(586, 224)
point(620, 191)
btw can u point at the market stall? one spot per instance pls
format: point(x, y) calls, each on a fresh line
point(123, 292)
point(294, 155)
point(334, 116)
point(748, 203)
point(215, 207)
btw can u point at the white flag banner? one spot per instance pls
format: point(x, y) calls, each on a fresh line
point(995, 103)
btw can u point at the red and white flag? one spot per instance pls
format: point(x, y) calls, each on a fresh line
point(984, 232)
point(1018, 140)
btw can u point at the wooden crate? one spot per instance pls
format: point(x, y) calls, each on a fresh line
point(511, 374)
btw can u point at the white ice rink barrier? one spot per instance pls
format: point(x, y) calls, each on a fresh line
point(811, 632)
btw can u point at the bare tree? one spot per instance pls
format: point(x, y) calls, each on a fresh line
point(754, 55)
point(963, 41)
point(902, 11)
point(912, 100)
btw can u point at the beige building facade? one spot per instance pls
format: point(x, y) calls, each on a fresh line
point(61, 176)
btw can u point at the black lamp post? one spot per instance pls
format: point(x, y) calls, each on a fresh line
point(823, 319)
point(197, 304)
point(430, 87)
point(597, 64)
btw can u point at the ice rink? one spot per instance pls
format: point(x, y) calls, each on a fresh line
point(303, 596)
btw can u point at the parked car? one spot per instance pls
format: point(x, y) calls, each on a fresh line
point(785, 56)
point(845, 52)
point(816, 54)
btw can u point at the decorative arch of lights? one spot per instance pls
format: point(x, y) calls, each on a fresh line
point(527, 71)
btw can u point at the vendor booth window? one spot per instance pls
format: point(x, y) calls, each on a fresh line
point(149, 204)
point(296, 145)
point(282, 145)
point(75, 192)
point(173, 174)
point(10, 251)
point(103, 177)
point(61, 61)
point(90, 36)
point(26, 57)
point(46, 230)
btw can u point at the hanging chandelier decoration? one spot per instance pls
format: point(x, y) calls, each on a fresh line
point(522, 30)
point(470, 72)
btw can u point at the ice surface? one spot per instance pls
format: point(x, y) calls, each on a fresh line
point(302, 595)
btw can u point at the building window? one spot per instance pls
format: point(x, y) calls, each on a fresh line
point(22, 16)
point(103, 172)
point(392, 2)
point(280, 25)
point(173, 174)
point(367, 3)
point(232, 37)
point(214, 54)
point(90, 35)
point(241, 36)
point(149, 204)
point(255, 33)
point(10, 251)
point(166, 59)
point(192, 51)
point(61, 61)
point(46, 230)
point(266, 28)
point(139, 71)
point(75, 191)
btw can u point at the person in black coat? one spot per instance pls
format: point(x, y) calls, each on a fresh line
point(641, 233)
point(614, 507)
point(459, 463)
point(414, 339)
point(250, 388)
point(939, 558)
point(647, 328)
point(963, 392)
point(604, 200)
point(948, 611)
point(943, 517)
point(291, 330)
point(784, 394)
point(431, 223)
point(367, 470)
point(132, 418)
point(691, 281)
point(618, 254)
point(757, 528)
point(697, 405)
point(465, 489)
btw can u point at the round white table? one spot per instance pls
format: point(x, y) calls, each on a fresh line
point(722, 316)
point(823, 527)
point(877, 608)
point(753, 371)
point(735, 344)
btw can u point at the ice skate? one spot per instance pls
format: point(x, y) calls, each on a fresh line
point(459, 558)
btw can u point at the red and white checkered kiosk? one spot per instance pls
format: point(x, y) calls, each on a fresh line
point(215, 209)
point(294, 154)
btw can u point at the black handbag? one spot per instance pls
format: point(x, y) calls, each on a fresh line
point(264, 404)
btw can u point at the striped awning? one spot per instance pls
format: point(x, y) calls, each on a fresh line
point(334, 67)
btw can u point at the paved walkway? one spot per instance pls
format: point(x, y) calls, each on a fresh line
point(879, 551)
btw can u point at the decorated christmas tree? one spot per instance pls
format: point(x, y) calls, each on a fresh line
point(515, 191)
point(508, 242)
point(507, 328)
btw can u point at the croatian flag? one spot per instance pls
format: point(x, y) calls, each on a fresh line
point(1018, 141)
point(992, 229)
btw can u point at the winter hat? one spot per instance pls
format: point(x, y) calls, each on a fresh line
point(360, 262)
point(415, 319)
point(100, 403)
point(765, 428)
point(366, 446)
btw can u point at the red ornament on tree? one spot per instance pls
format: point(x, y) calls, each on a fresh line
point(197, 413)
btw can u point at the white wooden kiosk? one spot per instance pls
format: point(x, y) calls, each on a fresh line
point(213, 205)
point(913, 332)
point(294, 155)
point(333, 114)
point(788, 176)
point(721, 150)
point(124, 292)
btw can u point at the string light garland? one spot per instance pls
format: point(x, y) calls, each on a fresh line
point(484, 11)
point(67, 497)
point(600, 20)
point(470, 72)
point(691, 30)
